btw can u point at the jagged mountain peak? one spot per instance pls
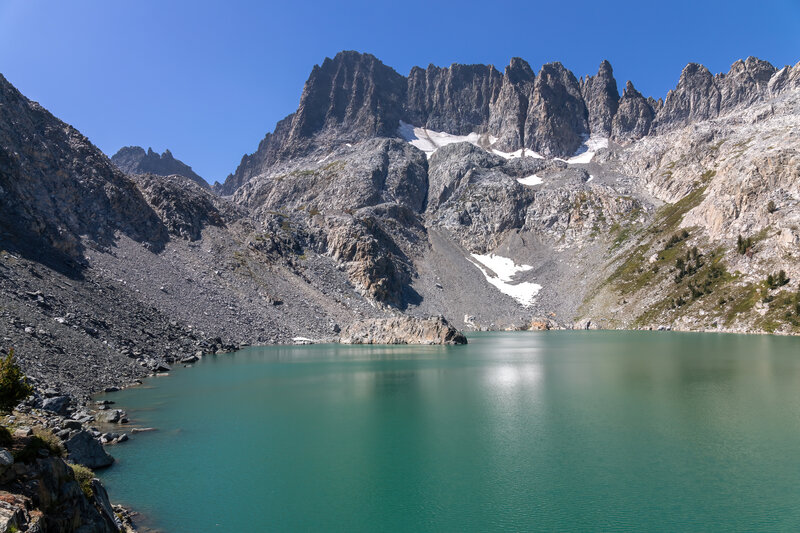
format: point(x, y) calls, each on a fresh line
point(602, 99)
point(134, 160)
point(517, 68)
point(354, 97)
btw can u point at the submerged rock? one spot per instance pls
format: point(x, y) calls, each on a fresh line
point(402, 330)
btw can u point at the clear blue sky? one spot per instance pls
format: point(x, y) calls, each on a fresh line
point(209, 79)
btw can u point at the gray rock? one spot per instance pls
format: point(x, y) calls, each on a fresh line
point(56, 404)
point(6, 459)
point(508, 111)
point(83, 449)
point(103, 503)
point(602, 99)
point(112, 416)
point(633, 118)
point(556, 123)
point(455, 99)
point(23, 431)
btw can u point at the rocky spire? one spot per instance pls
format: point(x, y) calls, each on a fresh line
point(556, 122)
point(508, 112)
point(634, 116)
point(696, 97)
point(785, 79)
point(602, 98)
point(746, 82)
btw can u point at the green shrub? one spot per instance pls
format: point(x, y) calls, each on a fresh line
point(51, 442)
point(743, 244)
point(13, 386)
point(84, 478)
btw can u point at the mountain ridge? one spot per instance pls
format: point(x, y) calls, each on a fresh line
point(549, 112)
point(134, 160)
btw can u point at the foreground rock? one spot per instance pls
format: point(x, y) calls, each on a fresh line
point(402, 330)
point(40, 492)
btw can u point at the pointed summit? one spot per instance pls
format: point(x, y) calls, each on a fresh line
point(602, 98)
point(134, 160)
point(634, 116)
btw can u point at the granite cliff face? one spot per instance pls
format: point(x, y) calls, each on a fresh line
point(509, 110)
point(602, 99)
point(353, 97)
point(454, 99)
point(556, 122)
point(134, 160)
point(541, 167)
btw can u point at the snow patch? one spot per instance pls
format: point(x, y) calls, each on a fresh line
point(522, 152)
point(530, 180)
point(590, 178)
point(429, 141)
point(586, 151)
point(504, 270)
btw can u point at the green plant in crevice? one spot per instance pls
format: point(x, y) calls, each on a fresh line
point(14, 386)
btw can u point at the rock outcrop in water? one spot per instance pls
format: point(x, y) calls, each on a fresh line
point(402, 330)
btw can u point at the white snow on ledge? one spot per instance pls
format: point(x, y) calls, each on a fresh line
point(530, 181)
point(522, 152)
point(429, 141)
point(586, 151)
point(504, 270)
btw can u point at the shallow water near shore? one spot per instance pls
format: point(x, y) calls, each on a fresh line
point(515, 431)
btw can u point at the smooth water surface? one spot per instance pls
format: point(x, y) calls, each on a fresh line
point(516, 431)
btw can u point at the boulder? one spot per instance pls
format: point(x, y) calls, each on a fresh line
point(6, 459)
point(110, 416)
point(83, 449)
point(56, 404)
point(103, 504)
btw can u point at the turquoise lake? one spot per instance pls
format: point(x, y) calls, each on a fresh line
point(568, 431)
